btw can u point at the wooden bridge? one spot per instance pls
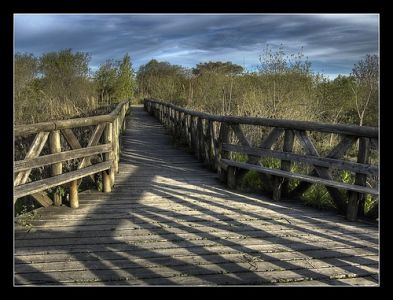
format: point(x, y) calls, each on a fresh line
point(169, 220)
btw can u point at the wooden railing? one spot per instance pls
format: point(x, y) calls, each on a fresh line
point(109, 126)
point(210, 138)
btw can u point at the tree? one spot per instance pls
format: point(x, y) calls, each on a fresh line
point(287, 77)
point(162, 80)
point(365, 88)
point(125, 79)
point(25, 70)
point(65, 74)
point(226, 68)
point(106, 80)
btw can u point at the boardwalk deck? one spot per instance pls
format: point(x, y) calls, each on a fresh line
point(169, 221)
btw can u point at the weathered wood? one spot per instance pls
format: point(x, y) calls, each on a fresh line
point(71, 138)
point(354, 130)
point(74, 144)
point(310, 149)
point(212, 145)
point(327, 182)
point(57, 168)
point(231, 177)
point(34, 151)
point(43, 199)
point(44, 184)
point(200, 141)
point(23, 130)
point(222, 154)
point(108, 139)
point(40, 161)
point(115, 146)
point(267, 143)
point(106, 182)
point(74, 197)
point(93, 142)
point(356, 200)
point(286, 164)
point(318, 161)
point(337, 152)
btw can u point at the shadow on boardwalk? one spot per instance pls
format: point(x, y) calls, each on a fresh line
point(169, 221)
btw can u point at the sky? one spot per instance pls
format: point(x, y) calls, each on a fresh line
point(333, 43)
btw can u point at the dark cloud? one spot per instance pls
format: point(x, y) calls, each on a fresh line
point(333, 43)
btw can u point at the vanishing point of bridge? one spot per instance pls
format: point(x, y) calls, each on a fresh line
point(168, 220)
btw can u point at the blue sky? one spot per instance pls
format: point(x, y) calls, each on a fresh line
point(332, 42)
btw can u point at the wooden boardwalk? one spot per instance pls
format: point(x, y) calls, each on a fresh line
point(168, 221)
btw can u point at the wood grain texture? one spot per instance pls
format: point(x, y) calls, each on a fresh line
point(168, 221)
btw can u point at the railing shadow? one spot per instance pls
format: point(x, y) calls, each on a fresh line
point(115, 258)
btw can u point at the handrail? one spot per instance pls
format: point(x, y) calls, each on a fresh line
point(23, 130)
point(362, 131)
point(109, 125)
point(209, 136)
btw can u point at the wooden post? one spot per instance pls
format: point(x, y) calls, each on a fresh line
point(108, 156)
point(74, 197)
point(223, 139)
point(201, 153)
point(231, 177)
point(106, 182)
point(289, 138)
point(213, 150)
point(355, 199)
point(124, 118)
point(55, 147)
point(115, 137)
point(189, 134)
point(277, 183)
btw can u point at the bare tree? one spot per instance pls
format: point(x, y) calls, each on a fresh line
point(365, 89)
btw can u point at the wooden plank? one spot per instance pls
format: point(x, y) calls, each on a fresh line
point(282, 183)
point(356, 200)
point(23, 130)
point(318, 161)
point(34, 151)
point(311, 179)
point(40, 185)
point(74, 144)
point(224, 137)
point(108, 139)
point(93, 142)
point(153, 263)
point(336, 153)
point(56, 168)
point(310, 149)
point(263, 272)
point(44, 160)
point(42, 198)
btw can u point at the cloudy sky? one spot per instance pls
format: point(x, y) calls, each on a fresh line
point(332, 42)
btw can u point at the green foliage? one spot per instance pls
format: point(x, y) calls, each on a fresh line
point(237, 156)
point(317, 196)
point(125, 79)
point(251, 182)
point(162, 80)
point(226, 68)
point(347, 177)
point(106, 79)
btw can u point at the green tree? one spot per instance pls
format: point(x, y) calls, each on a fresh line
point(65, 75)
point(125, 79)
point(25, 70)
point(162, 80)
point(218, 67)
point(106, 81)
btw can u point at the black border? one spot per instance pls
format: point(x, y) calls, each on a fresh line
point(202, 6)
